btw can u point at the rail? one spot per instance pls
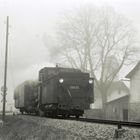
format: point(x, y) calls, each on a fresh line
point(103, 121)
point(111, 122)
point(118, 132)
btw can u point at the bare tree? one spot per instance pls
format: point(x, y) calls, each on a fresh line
point(88, 36)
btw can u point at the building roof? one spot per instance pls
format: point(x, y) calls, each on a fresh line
point(119, 85)
point(116, 85)
point(125, 96)
point(130, 74)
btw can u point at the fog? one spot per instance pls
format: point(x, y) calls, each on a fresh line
point(29, 21)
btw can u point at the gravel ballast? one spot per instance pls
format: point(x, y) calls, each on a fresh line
point(86, 130)
point(37, 128)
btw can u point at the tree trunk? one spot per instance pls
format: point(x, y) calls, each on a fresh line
point(104, 101)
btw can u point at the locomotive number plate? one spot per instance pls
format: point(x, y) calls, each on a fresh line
point(74, 87)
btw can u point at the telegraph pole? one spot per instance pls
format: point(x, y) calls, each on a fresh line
point(5, 69)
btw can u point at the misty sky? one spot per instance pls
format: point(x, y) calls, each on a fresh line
point(29, 20)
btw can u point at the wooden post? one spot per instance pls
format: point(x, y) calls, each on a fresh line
point(5, 70)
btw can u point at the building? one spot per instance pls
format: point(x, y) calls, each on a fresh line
point(134, 100)
point(117, 90)
point(117, 109)
point(117, 103)
point(111, 64)
point(9, 107)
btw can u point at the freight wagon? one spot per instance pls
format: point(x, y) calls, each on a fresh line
point(25, 97)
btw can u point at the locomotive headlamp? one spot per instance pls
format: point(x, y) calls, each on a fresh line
point(61, 80)
point(90, 81)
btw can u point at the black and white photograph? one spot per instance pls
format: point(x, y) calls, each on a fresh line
point(70, 70)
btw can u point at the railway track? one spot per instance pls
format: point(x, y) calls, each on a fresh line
point(119, 124)
point(101, 128)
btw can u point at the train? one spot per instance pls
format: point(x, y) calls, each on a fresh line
point(57, 92)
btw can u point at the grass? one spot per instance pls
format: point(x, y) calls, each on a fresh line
point(17, 129)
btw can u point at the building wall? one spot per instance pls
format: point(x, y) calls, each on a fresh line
point(115, 94)
point(134, 111)
point(116, 110)
point(94, 113)
point(134, 107)
point(135, 87)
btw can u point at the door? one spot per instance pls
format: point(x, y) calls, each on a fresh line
point(125, 114)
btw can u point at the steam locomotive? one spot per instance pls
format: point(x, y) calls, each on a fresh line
point(58, 91)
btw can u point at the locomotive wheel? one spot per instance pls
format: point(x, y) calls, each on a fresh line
point(67, 115)
point(77, 116)
point(54, 115)
point(41, 113)
point(21, 112)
